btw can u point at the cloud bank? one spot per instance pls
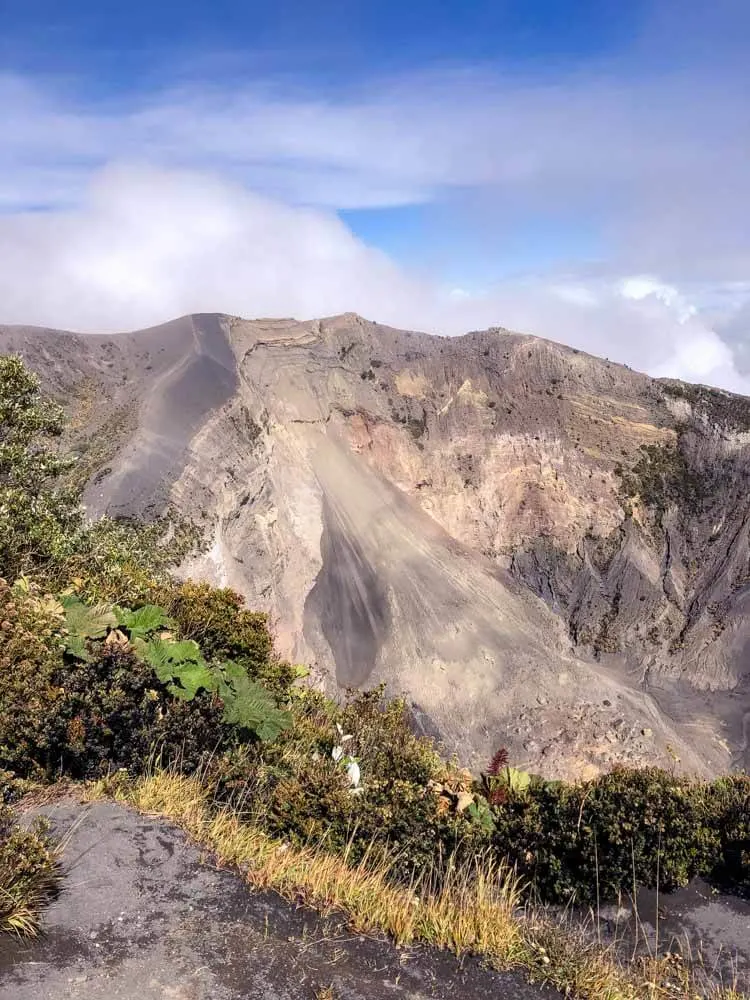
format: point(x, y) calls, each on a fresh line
point(122, 213)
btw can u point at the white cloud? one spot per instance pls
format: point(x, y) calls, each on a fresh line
point(147, 245)
point(656, 163)
point(642, 286)
point(150, 244)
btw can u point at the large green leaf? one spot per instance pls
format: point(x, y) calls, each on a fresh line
point(166, 656)
point(83, 622)
point(190, 679)
point(76, 646)
point(179, 665)
point(232, 671)
point(142, 621)
point(249, 705)
point(516, 781)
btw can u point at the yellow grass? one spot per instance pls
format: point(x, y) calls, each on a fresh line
point(475, 911)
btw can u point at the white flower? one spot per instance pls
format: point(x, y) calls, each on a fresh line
point(352, 770)
point(337, 753)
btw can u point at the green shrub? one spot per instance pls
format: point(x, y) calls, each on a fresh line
point(122, 561)
point(662, 476)
point(83, 718)
point(225, 630)
point(644, 827)
point(597, 839)
point(730, 809)
point(116, 714)
point(29, 873)
point(292, 787)
point(39, 515)
point(31, 641)
point(295, 789)
point(78, 697)
point(42, 525)
point(398, 807)
point(384, 743)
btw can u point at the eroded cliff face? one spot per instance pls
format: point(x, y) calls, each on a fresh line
point(538, 548)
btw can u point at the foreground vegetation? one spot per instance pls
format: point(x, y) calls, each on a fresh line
point(170, 695)
point(30, 873)
point(473, 908)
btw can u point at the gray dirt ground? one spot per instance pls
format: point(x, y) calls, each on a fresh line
point(697, 920)
point(142, 918)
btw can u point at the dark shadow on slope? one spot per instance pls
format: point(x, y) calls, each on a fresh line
point(350, 602)
point(202, 378)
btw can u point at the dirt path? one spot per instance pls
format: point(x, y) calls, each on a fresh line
point(140, 918)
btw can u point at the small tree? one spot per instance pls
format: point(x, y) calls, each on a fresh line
point(39, 514)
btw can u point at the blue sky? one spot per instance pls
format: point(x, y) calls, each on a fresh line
point(334, 41)
point(514, 162)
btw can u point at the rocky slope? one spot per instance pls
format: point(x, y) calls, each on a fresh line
point(538, 548)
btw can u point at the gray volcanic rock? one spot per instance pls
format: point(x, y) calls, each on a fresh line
point(536, 547)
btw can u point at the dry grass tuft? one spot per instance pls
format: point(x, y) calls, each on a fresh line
point(473, 912)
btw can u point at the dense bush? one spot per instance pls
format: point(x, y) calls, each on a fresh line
point(730, 811)
point(115, 713)
point(399, 805)
point(225, 630)
point(79, 702)
point(38, 514)
point(644, 827)
point(121, 560)
point(42, 525)
point(292, 787)
point(60, 715)
point(83, 706)
point(30, 656)
point(79, 697)
point(29, 873)
point(296, 789)
point(598, 839)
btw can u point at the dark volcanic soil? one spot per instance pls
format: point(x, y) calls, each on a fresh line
point(140, 918)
